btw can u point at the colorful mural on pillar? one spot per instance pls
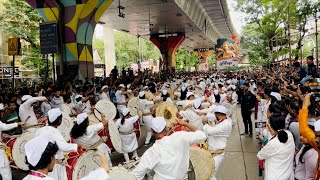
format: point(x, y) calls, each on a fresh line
point(168, 47)
point(79, 19)
point(203, 54)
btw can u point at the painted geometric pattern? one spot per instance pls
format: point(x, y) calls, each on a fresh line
point(80, 19)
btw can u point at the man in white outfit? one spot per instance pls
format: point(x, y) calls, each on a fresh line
point(53, 135)
point(5, 170)
point(121, 98)
point(26, 112)
point(105, 93)
point(144, 107)
point(169, 155)
point(218, 135)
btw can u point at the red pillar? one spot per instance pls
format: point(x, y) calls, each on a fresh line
point(168, 47)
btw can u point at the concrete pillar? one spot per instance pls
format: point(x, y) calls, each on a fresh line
point(78, 19)
point(109, 49)
point(168, 47)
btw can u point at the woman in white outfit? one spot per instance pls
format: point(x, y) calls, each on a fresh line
point(127, 134)
point(5, 170)
point(86, 134)
point(144, 106)
point(279, 152)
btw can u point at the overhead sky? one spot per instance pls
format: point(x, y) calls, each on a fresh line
point(237, 17)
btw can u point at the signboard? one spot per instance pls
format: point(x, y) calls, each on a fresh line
point(227, 63)
point(6, 72)
point(13, 46)
point(48, 38)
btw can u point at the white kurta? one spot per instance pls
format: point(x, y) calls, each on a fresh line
point(193, 117)
point(129, 141)
point(54, 136)
point(121, 99)
point(26, 112)
point(217, 139)
point(144, 107)
point(169, 156)
point(56, 102)
point(5, 170)
point(32, 177)
point(278, 158)
point(91, 137)
point(105, 96)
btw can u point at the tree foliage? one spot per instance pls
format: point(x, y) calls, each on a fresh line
point(274, 18)
point(185, 58)
point(20, 20)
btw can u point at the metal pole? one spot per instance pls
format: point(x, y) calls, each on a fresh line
point(13, 62)
point(53, 70)
point(47, 71)
point(289, 35)
point(317, 46)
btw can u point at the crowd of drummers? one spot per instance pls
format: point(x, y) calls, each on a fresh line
point(182, 113)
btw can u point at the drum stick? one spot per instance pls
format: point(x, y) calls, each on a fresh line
point(97, 110)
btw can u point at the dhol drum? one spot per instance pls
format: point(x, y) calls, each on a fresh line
point(177, 128)
point(168, 111)
point(202, 162)
point(133, 106)
point(120, 173)
point(15, 150)
point(81, 163)
point(105, 135)
point(66, 126)
point(106, 107)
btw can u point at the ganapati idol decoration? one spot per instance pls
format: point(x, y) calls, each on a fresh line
point(227, 51)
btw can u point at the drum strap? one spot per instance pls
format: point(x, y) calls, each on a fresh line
point(97, 144)
point(216, 152)
point(126, 133)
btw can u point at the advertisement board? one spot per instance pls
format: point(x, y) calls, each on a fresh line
point(227, 63)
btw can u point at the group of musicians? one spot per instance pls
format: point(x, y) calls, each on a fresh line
point(205, 106)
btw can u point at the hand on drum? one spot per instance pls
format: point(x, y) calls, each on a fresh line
point(181, 122)
point(104, 163)
point(20, 123)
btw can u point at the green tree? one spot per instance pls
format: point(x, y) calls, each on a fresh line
point(20, 20)
point(185, 58)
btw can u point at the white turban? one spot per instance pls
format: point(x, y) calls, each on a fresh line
point(53, 114)
point(81, 117)
point(158, 124)
point(34, 149)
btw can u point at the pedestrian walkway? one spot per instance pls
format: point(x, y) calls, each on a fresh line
point(240, 161)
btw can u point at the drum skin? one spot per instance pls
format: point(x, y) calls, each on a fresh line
point(82, 163)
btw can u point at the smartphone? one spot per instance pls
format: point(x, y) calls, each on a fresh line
point(260, 124)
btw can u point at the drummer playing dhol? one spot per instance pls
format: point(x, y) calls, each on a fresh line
point(127, 134)
point(5, 170)
point(86, 134)
point(40, 155)
point(52, 134)
point(218, 135)
point(169, 155)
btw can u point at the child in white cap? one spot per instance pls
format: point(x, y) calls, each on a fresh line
point(40, 155)
point(128, 136)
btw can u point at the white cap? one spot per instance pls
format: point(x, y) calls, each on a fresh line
point(215, 92)
point(224, 89)
point(276, 95)
point(34, 149)
point(26, 97)
point(220, 109)
point(197, 103)
point(129, 86)
point(183, 88)
point(251, 80)
point(78, 96)
point(141, 93)
point(125, 111)
point(53, 114)
point(189, 94)
point(104, 87)
point(211, 117)
point(122, 86)
point(158, 124)
point(1, 106)
point(164, 92)
point(317, 125)
point(81, 117)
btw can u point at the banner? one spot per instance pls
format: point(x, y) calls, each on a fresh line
point(227, 63)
